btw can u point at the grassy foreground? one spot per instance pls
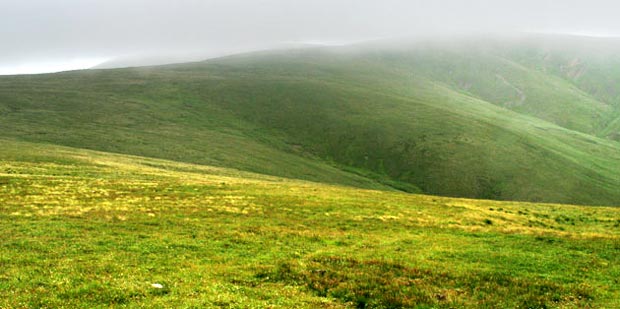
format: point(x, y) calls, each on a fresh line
point(89, 229)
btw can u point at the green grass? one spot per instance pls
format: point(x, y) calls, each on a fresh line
point(271, 180)
point(86, 229)
point(508, 75)
point(477, 119)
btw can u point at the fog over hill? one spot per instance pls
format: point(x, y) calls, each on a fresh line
point(35, 33)
point(531, 118)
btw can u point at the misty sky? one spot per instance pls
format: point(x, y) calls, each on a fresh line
point(52, 35)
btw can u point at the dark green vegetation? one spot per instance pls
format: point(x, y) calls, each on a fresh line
point(529, 119)
point(85, 229)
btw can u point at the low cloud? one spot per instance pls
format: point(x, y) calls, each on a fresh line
point(46, 31)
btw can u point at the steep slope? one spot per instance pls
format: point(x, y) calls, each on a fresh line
point(568, 80)
point(312, 114)
point(591, 64)
point(529, 75)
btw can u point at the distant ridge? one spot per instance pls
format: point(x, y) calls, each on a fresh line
point(528, 119)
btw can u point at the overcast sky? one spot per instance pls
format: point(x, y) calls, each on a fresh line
point(53, 35)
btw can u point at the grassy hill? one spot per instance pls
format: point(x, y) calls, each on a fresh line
point(435, 118)
point(86, 229)
point(504, 73)
point(568, 80)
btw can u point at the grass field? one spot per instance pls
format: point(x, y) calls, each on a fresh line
point(86, 229)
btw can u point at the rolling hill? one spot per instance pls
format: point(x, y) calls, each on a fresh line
point(512, 119)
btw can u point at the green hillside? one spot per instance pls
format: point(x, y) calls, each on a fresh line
point(108, 111)
point(434, 118)
point(568, 80)
point(86, 229)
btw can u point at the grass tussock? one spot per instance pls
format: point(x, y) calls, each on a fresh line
point(384, 284)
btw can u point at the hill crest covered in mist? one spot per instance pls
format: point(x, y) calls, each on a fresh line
point(530, 119)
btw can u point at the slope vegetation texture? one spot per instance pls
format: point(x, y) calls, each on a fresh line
point(522, 120)
point(85, 229)
point(471, 172)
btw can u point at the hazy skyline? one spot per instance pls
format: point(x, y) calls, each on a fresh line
point(48, 35)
